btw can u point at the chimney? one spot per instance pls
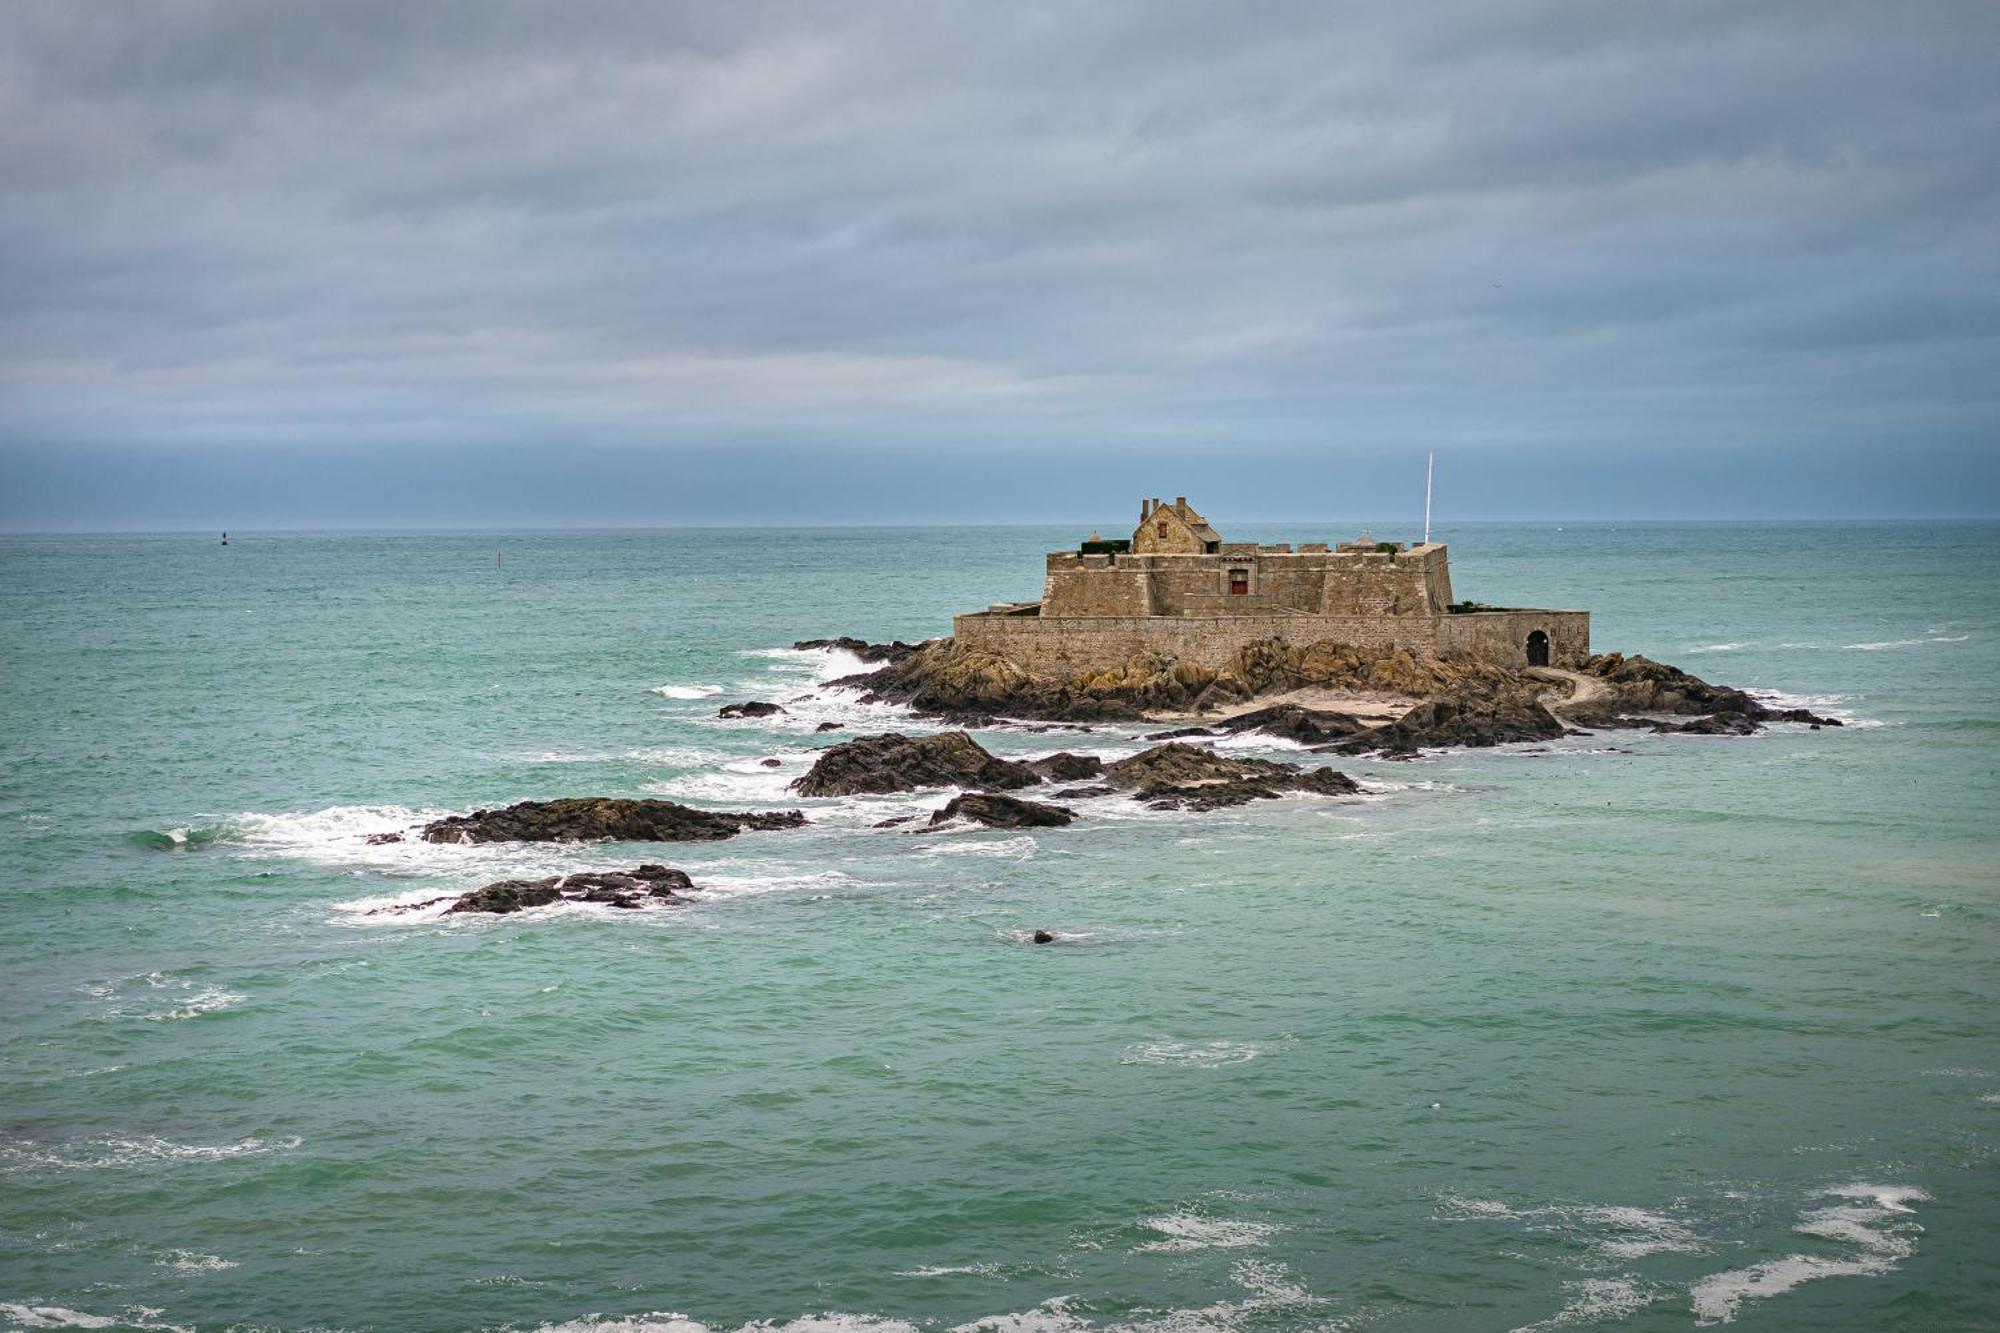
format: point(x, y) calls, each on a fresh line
point(1180, 503)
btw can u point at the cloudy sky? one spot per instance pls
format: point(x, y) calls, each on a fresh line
point(269, 264)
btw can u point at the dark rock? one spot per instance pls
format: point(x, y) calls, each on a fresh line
point(867, 652)
point(894, 762)
point(382, 839)
point(1096, 790)
point(649, 885)
point(1477, 720)
point(601, 818)
point(895, 822)
point(1178, 776)
point(772, 763)
point(1182, 733)
point(997, 811)
point(754, 708)
point(1045, 937)
point(1295, 722)
point(1715, 724)
point(1066, 767)
point(829, 726)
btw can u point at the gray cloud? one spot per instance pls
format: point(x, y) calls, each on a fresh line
point(1511, 228)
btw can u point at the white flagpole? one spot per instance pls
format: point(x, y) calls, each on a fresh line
point(1430, 470)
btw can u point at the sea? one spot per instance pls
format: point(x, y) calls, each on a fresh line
point(1621, 1031)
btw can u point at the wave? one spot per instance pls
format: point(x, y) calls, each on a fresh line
point(1907, 643)
point(1832, 705)
point(187, 1261)
point(1715, 648)
point(1875, 1220)
point(686, 691)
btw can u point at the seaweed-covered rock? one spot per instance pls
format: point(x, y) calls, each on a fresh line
point(1640, 685)
point(997, 811)
point(603, 818)
point(895, 762)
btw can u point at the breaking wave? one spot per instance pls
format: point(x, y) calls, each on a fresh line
point(1876, 1222)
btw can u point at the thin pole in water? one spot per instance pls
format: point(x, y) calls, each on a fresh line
point(1430, 470)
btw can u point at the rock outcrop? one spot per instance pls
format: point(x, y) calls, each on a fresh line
point(1476, 720)
point(873, 765)
point(1639, 685)
point(1177, 776)
point(997, 811)
point(943, 679)
point(861, 648)
point(601, 819)
point(751, 708)
point(645, 886)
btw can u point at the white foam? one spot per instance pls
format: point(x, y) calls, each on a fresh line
point(951, 1270)
point(187, 1261)
point(1198, 1054)
point(1183, 1232)
point(22, 1315)
point(111, 1152)
point(1598, 1300)
point(686, 691)
point(1879, 645)
point(1873, 1219)
point(1717, 648)
point(1615, 1231)
point(1832, 705)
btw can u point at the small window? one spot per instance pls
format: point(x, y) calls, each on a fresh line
point(1211, 547)
point(1163, 530)
point(1239, 582)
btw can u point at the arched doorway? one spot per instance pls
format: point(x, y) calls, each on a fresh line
point(1538, 649)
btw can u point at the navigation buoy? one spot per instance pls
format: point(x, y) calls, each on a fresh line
point(225, 539)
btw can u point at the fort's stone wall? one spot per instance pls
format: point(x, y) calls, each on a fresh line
point(1310, 581)
point(1063, 646)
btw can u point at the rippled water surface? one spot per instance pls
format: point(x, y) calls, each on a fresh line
point(1621, 1031)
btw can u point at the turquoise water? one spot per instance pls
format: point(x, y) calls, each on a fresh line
point(1625, 1031)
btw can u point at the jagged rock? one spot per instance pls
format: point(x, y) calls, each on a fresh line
point(1178, 776)
point(1066, 767)
point(894, 762)
point(1308, 726)
point(829, 726)
point(861, 648)
point(1475, 721)
point(646, 886)
point(601, 818)
point(382, 839)
point(1640, 685)
point(1045, 937)
point(1069, 793)
point(894, 822)
point(1183, 733)
point(997, 811)
point(771, 763)
point(753, 708)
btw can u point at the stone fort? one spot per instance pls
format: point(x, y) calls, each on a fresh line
point(1178, 589)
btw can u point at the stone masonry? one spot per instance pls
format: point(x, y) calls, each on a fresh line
point(1179, 590)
